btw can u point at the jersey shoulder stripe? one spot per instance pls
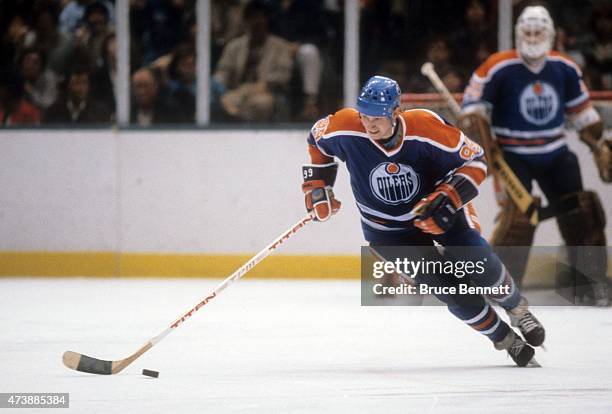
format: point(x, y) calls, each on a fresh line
point(497, 61)
point(344, 122)
point(426, 126)
point(562, 58)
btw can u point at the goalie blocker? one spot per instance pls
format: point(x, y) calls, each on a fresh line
point(592, 135)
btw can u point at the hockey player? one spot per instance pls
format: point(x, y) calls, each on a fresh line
point(414, 161)
point(525, 95)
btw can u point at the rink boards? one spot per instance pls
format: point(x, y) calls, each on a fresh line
point(180, 203)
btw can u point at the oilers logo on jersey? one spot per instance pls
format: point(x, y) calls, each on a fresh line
point(394, 183)
point(539, 103)
point(528, 106)
point(388, 182)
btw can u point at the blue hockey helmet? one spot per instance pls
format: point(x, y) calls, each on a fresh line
point(379, 97)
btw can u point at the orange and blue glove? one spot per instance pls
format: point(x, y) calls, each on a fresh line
point(319, 195)
point(437, 212)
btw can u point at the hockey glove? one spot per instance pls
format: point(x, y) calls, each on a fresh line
point(592, 135)
point(436, 213)
point(603, 159)
point(318, 182)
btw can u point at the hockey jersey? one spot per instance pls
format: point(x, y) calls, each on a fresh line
point(528, 108)
point(388, 182)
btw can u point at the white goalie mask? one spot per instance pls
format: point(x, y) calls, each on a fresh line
point(534, 33)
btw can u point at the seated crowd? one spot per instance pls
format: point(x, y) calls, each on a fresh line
point(271, 60)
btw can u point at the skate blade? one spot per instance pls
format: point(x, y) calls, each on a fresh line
point(533, 363)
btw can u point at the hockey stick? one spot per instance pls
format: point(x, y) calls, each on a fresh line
point(84, 363)
point(521, 197)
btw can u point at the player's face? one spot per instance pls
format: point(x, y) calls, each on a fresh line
point(533, 36)
point(377, 127)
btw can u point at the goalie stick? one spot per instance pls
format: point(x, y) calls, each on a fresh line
point(84, 363)
point(521, 197)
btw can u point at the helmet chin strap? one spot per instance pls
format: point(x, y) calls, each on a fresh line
point(393, 128)
point(391, 141)
point(393, 119)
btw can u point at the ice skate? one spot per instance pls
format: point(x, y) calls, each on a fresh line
point(520, 352)
point(531, 329)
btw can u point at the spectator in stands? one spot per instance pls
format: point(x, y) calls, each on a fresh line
point(156, 25)
point(226, 24)
point(45, 35)
point(13, 29)
point(567, 42)
point(396, 69)
point(332, 49)
point(177, 70)
point(599, 54)
point(76, 105)
point(453, 78)
point(40, 84)
point(300, 22)
point(72, 15)
point(92, 33)
point(182, 79)
point(437, 52)
point(375, 31)
point(149, 104)
point(256, 69)
point(14, 108)
point(103, 78)
point(477, 28)
point(484, 49)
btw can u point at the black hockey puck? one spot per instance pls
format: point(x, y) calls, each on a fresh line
point(150, 373)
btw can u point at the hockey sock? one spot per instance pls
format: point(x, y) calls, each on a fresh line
point(482, 319)
point(511, 296)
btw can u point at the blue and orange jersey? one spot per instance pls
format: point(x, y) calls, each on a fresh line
point(528, 107)
point(388, 182)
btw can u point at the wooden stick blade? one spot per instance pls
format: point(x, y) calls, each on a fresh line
point(84, 363)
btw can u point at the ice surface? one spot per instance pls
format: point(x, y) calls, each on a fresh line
point(287, 347)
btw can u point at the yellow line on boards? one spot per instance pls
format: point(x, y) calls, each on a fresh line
point(540, 271)
point(109, 264)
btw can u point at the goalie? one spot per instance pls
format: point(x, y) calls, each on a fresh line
point(413, 161)
point(525, 95)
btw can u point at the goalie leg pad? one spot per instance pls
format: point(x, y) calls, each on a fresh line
point(581, 228)
point(584, 225)
point(513, 229)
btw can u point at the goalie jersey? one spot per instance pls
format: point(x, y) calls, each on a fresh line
point(528, 108)
point(388, 182)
